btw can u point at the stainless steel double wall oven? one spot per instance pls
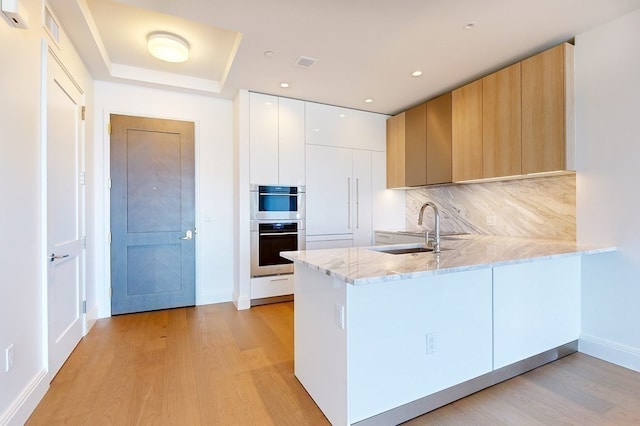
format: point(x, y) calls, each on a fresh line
point(277, 224)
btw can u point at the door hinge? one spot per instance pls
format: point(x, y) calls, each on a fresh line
point(83, 242)
point(109, 128)
point(83, 178)
point(84, 306)
point(109, 237)
point(84, 113)
point(109, 183)
point(110, 293)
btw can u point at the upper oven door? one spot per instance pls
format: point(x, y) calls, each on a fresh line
point(271, 202)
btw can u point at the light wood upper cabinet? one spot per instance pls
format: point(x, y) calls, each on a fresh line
point(407, 149)
point(547, 111)
point(439, 139)
point(502, 123)
point(419, 145)
point(466, 140)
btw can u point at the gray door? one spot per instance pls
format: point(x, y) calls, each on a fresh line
point(152, 214)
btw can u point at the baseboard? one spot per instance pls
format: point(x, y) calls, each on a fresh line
point(241, 303)
point(213, 297)
point(90, 319)
point(22, 407)
point(606, 350)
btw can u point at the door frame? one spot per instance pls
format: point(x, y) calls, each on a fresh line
point(47, 52)
point(104, 295)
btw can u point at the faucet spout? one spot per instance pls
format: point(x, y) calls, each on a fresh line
point(436, 241)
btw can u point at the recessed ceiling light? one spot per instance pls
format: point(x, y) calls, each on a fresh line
point(416, 73)
point(470, 25)
point(168, 47)
point(269, 53)
point(284, 85)
point(368, 100)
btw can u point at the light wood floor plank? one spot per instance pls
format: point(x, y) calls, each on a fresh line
point(214, 365)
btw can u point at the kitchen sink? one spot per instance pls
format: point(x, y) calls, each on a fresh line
point(404, 250)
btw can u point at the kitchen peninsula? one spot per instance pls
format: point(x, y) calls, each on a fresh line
point(382, 338)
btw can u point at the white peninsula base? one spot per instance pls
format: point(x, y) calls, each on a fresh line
point(385, 352)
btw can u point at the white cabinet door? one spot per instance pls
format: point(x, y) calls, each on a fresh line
point(263, 139)
point(536, 307)
point(361, 199)
point(344, 127)
point(329, 193)
point(291, 147)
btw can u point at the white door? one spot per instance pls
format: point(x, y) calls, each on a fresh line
point(64, 214)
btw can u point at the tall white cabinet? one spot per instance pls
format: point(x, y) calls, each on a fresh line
point(343, 166)
point(276, 140)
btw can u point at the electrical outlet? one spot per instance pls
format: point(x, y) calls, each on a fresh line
point(431, 343)
point(491, 220)
point(9, 358)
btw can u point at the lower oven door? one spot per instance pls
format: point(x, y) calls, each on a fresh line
point(268, 239)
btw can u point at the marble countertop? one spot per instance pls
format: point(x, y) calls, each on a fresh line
point(367, 265)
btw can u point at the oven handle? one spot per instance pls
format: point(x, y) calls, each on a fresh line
point(280, 195)
point(274, 234)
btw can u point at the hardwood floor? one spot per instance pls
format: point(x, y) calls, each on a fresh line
point(214, 365)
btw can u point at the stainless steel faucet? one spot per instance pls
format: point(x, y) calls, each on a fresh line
point(435, 242)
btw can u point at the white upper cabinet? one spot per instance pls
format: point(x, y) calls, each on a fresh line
point(344, 127)
point(276, 140)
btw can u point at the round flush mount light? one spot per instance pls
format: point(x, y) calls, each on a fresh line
point(470, 25)
point(416, 73)
point(168, 47)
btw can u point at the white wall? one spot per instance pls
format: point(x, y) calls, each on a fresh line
point(214, 181)
point(22, 253)
point(608, 205)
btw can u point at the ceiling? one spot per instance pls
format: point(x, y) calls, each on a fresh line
point(364, 48)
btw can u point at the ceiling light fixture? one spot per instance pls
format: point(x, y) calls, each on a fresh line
point(368, 100)
point(284, 85)
point(269, 53)
point(168, 47)
point(416, 73)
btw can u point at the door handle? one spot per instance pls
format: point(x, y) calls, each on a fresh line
point(188, 236)
point(53, 256)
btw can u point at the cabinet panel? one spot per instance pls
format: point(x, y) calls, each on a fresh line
point(501, 123)
point(263, 139)
point(536, 307)
point(362, 187)
point(543, 111)
point(439, 140)
point(466, 138)
point(344, 127)
point(416, 146)
point(396, 151)
point(291, 147)
point(329, 190)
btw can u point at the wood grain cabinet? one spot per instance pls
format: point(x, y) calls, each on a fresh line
point(501, 123)
point(516, 121)
point(466, 139)
point(547, 110)
point(419, 145)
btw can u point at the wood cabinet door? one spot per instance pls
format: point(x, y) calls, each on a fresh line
point(502, 123)
point(395, 151)
point(416, 146)
point(543, 111)
point(466, 132)
point(439, 140)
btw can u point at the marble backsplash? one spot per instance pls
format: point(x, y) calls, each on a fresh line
point(542, 207)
